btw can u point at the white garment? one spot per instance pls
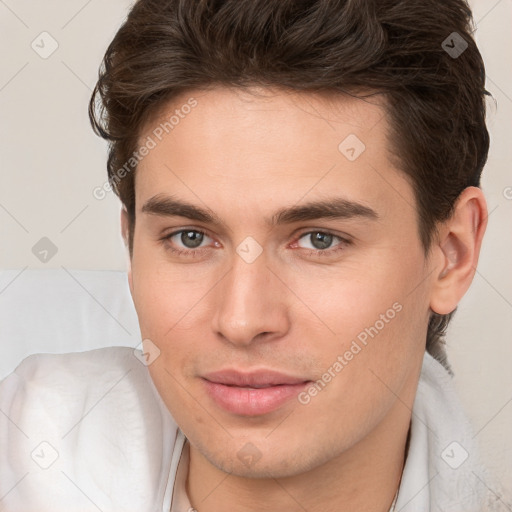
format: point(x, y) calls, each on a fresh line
point(88, 431)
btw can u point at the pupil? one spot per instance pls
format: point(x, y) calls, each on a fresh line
point(193, 237)
point(324, 240)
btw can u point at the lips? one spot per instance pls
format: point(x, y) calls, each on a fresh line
point(255, 379)
point(254, 393)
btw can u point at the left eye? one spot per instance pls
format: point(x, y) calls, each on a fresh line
point(320, 240)
point(190, 238)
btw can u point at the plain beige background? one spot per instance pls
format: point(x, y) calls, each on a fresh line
point(50, 163)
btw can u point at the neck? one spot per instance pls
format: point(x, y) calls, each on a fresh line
point(364, 478)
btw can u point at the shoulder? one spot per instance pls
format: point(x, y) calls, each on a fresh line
point(76, 364)
point(93, 418)
point(64, 382)
point(443, 449)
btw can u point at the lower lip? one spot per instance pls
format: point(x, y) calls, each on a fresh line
point(252, 401)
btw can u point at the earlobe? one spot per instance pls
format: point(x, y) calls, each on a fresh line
point(458, 249)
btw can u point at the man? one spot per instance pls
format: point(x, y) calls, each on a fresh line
point(301, 206)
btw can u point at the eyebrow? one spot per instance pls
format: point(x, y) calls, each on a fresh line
point(331, 208)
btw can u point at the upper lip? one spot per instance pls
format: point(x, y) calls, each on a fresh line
point(257, 378)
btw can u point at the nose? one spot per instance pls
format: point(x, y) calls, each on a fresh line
point(250, 304)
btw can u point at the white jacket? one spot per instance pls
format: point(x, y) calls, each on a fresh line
point(88, 431)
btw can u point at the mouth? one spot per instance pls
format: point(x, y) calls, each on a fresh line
point(252, 394)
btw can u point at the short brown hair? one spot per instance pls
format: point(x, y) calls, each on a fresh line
point(420, 54)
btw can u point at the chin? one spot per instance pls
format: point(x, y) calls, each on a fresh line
point(247, 462)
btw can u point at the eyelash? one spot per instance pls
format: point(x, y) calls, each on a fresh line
point(310, 252)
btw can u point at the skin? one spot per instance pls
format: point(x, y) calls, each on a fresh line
point(244, 157)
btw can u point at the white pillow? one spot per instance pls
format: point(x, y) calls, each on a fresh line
point(58, 311)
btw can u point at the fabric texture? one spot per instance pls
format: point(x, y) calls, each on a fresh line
point(88, 431)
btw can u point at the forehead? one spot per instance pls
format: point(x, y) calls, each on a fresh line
point(268, 113)
point(269, 147)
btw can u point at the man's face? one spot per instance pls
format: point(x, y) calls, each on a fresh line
point(339, 305)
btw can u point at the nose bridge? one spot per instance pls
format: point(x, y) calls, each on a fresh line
point(249, 301)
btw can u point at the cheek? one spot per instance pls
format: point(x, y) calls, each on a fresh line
point(365, 366)
point(353, 298)
point(164, 294)
point(373, 319)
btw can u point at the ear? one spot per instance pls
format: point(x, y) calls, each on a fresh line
point(125, 229)
point(457, 250)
